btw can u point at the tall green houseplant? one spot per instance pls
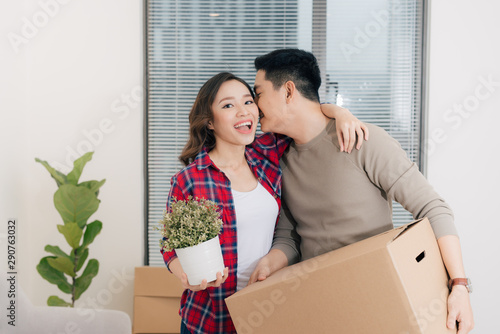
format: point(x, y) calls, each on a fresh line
point(75, 202)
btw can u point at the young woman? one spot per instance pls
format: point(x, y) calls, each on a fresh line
point(226, 163)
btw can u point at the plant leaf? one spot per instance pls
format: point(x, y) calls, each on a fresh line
point(92, 230)
point(52, 275)
point(81, 259)
point(72, 232)
point(56, 301)
point(83, 282)
point(75, 204)
point(62, 264)
point(59, 177)
point(56, 251)
point(93, 185)
point(78, 165)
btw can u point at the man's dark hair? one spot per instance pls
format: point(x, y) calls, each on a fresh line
point(295, 65)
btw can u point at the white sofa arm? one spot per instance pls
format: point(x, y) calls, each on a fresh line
point(50, 320)
point(30, 319)
point(64, 320)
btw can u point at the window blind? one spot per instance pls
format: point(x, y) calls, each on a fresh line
point(369, 53)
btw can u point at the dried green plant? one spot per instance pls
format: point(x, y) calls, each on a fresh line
point(189, 223)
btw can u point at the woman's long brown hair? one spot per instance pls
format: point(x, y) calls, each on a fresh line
point(201, 114)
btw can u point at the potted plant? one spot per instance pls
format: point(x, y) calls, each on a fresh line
point(191, 227)
point(76, 202)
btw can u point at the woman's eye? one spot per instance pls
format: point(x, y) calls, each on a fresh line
point(229, 105)
point(249, 102)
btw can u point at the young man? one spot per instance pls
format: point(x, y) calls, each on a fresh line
point(332, 199)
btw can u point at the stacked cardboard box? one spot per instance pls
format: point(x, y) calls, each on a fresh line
point(392, 283)
point(156, 301)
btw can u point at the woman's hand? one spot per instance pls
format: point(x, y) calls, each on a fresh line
point(176, 268)
point(348, 127)
point(221, 278)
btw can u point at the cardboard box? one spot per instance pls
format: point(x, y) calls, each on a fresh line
point(392, 283)
point(156, 315)
point(157, 295)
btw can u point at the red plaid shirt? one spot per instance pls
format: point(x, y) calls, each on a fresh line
point(205, 311)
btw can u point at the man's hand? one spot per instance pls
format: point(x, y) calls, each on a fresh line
point(459, 307)
point(460, 310)
point(261, 272)
point(269, 264)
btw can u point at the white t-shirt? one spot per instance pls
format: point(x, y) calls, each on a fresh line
point(256, 213)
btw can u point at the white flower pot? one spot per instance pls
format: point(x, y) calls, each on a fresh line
point(202, 261)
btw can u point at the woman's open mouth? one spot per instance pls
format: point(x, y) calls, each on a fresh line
point(244, 126)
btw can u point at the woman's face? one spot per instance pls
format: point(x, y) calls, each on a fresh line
point(235, 115)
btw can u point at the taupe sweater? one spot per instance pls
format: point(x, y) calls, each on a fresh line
point(332, 199)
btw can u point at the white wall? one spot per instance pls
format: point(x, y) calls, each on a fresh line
point(71, 81)
point(464, 149)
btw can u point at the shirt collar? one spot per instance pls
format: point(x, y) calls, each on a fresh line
point(203, 160)
point(251, 156)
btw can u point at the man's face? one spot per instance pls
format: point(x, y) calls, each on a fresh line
point(271, 102)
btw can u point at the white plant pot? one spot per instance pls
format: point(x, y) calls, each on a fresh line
point(202, 261)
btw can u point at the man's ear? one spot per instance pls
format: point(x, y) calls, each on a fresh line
point(290, 90)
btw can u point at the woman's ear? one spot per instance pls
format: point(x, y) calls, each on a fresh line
point(210, 125)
